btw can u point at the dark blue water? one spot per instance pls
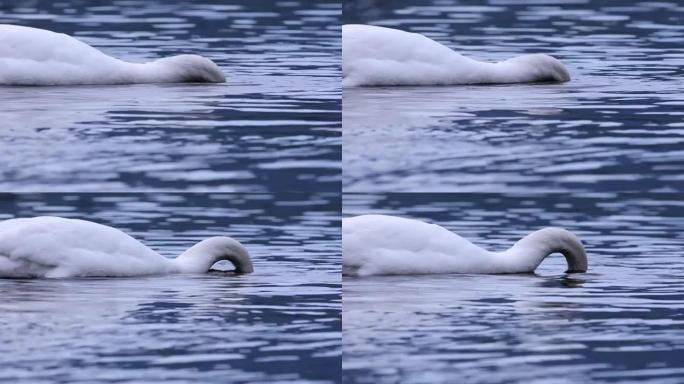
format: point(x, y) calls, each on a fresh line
point(621, 322)
point(617, 126)
point(280, 324)
point(273, 126)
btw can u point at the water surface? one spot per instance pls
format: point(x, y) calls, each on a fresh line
point(617, 126)
point(280, 324)
point(274, 126)
point(620, 322)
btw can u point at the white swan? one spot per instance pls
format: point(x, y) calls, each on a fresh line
point(31, 56)
point(388, 245)
point(56, 247)
point(378, 56)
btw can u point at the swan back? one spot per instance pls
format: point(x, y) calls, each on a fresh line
point(59, 247)
point(369, 42)
point(39, 45)
point(200, 257)
point(376, 56)
point(31, 56)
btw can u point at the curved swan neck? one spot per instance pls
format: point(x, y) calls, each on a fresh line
point(175, 69)
point(200, 257)
point(523, 69)
point(532, 249)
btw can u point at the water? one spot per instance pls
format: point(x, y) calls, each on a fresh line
point(617, 126)
point(620, 322)
point(275, 122)
point(280, 324)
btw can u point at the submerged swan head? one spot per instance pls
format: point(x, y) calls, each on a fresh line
point(190, 69)
point(535, 68)
point(200, 257)
point(532, 249)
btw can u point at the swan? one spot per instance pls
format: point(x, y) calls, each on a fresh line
point(390, 245)
point(32, 56)
point(56, 247)
point(379, 56)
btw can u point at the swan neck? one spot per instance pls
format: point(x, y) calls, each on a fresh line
point(151, 72)
point(157, 71)
point(494, 73)
point(532, 249)
point(530, 68)
point(505, 72)
point(203, 255)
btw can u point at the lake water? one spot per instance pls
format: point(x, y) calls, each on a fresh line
point(620, 322)
point(617, 126)
point(280, 324)
point(274, 126)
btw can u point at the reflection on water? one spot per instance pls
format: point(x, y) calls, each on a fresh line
point(620, 322)
point(615, 126)
point(276, 119)
point(281, 323)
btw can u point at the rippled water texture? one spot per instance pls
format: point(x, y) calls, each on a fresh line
point(280, 324)
point(620, 322)
point(616, 126)
point(276, 120)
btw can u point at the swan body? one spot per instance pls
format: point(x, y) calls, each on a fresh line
point(389, 245)
point(56, 247)
point(31, 56)
point(379, 56)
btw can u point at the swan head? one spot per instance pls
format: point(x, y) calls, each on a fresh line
point(537, 68)
point(532, 249)
point(203, 255)
point(191, 69)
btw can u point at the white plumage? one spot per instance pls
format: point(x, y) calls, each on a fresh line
point(389, 245)
point(31, 56)
point(59, 247)
point(378, 56)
